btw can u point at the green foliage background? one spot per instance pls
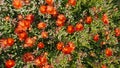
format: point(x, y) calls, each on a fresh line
point(83, 40)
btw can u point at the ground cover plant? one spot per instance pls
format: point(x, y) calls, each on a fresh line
point(59, 34)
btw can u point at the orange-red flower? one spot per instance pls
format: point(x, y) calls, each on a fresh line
point(17, 4)
point(54, 13)
point(27, 57)
point(117, 32)
point(23, 25)
point(30, 17)
point(71, 45)
point(89, 20)
point(108, 52)
point(59, 23)
point(44, 34)
point(42, 9)
point(79, 27)
point(61, 17)
point(22, 36)
point(3, 43)
point(70, 29)
point(41, 45)
point(49, 2)
point(40, 61)
point(29, 42)
point(9, 63)
point(105, 19)
point(96, 37)
point(41, 25)
point(66, 50)
point(10, 41)
point(69, 48)
point(72, 2)
point(50, 9)
point(60, 45)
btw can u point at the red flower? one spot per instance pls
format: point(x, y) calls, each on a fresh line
point(108, 52)
point(41, 25)
point(60, 45)
point(96, 38)
point(61, 17)
point(59, 23)
point(49, 2)
point(66, 50)
point(17, 4)
point(72, 2)
point(18, 30)
point(10, 63)
point(42, 9)
point(41, 45)
point(30, 17)
point(69, 48)
point(3, 43)
point(22, 36)
point(22, 25)
point(27, 23)
point(70, 29)
point(117, 32)
point(89, 20)
point(10, 41)
point(40, 61)
point(105, 19)
point(54, 13)
point(44, 34)
point(27, 57)
point(79, 27)
point(50, 9)
point(29, 42)
point(71, 45)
